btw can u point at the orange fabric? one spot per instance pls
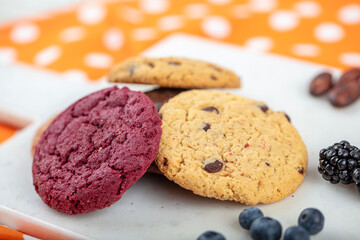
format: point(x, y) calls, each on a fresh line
point(6, 132)
point(9, 234)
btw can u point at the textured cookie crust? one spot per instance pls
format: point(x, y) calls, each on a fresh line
point(173, 72)
point(228, 147)
point(95, 150)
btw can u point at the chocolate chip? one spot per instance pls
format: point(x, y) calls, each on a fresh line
point(161, 116)
point(349, 76)
point(151, 65)
point(301, 170)
point(131, 69)
point(211, 109)
point(165, 162)
point(263, 108)
point(267, 164)
point(321, 84)
point(206, 127)
point(174, 63)
point(158, 106)
point(213, 77)
point(213, 167)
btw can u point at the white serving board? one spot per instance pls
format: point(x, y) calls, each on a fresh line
point(155, 208)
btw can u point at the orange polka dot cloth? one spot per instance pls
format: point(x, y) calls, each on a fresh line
point(83, 42)
point(87, 40)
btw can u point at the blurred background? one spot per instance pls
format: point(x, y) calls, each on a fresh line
point(13, 10)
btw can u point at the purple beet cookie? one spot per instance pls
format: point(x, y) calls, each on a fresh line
point(95, 150)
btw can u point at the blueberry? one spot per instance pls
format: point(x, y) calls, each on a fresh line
point(211, 235)
point(247, 216)
point(265, 228)
point(296, 233)
point(312, 220)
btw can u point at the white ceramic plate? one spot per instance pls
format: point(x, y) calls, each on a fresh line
point(155, 208)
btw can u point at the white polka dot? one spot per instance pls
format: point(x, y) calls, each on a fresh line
point(241, 11)
point(75, 75)
point(308, 9)
point(196, 11)
point(350, 14)
point(47, 56)
point(144, 34)
point(25, 32)
point(216, 27)
point(98, 60)
point(170, 23)
point(329, 32)
point(91, 13)
point(113, 39)
point(131, 15)
point(219, 2)
point(262, 5)
point(154, 6)
point(283, 20)
point(72, 34)
point(306, 50)
point(7, 55)
point(259, 44)
point(350, 59)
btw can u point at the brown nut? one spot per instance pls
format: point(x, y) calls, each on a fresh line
point(349, 76)
point(321, 84)
point(344, 94)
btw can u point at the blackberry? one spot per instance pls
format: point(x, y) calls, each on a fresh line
point(340, 163)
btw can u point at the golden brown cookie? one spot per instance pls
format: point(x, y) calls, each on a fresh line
point(173, 72)
point(224, 146)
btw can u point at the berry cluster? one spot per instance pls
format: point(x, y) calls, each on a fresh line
point(340, 163)
point(310, 222)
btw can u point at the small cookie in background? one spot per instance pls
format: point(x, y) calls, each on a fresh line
point(174, 73)
point(227, 147)
point(95, 150)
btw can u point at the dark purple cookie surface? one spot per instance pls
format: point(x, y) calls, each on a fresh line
point(95, 150)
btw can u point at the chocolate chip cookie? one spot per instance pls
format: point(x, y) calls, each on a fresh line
point(173, 72)
point(224, 146)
